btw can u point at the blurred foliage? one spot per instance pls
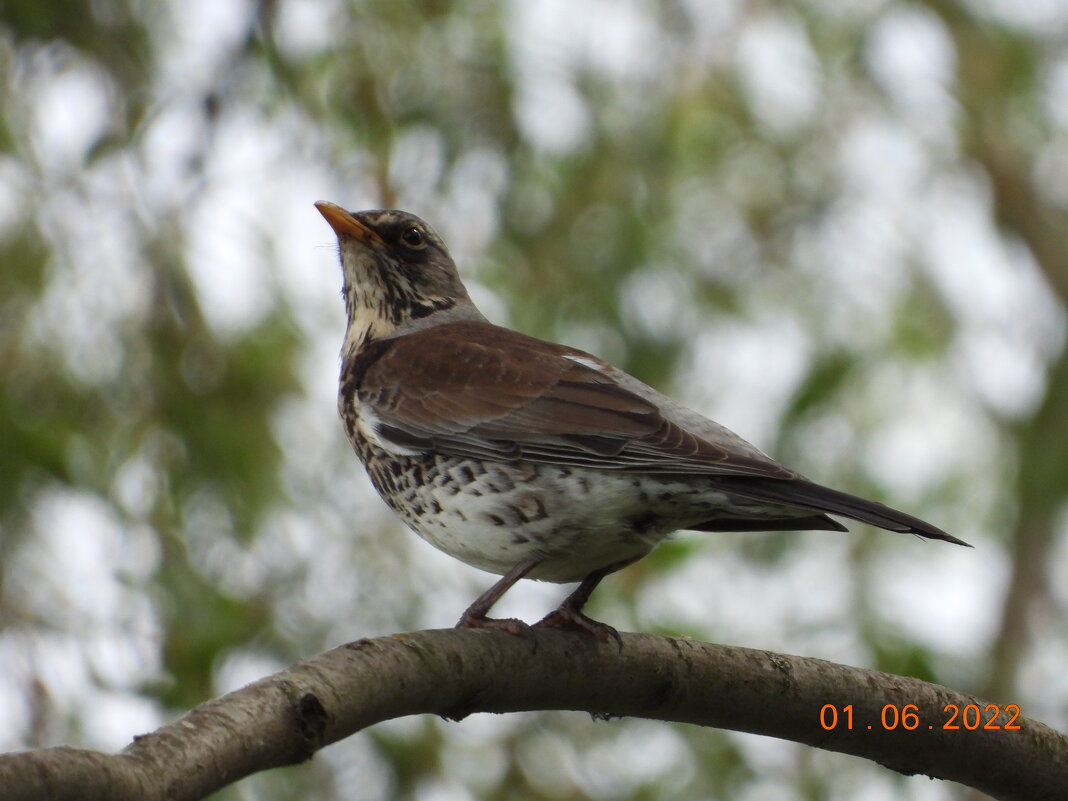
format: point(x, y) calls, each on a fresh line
point(629, 180)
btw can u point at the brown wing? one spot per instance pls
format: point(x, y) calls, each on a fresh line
point(475, 389)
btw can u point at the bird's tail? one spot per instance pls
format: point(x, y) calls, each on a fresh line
point(805, 494)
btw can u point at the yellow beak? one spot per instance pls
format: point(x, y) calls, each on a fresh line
point(343, 222)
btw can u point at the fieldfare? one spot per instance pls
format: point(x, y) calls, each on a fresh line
point(530, 459)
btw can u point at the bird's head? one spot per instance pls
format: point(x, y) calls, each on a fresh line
point(396, 271)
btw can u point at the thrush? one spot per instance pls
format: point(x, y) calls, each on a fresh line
point(526, 458)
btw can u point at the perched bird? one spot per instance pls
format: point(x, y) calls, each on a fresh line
point(530, 459)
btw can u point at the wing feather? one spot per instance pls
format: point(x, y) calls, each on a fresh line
point(474, 389)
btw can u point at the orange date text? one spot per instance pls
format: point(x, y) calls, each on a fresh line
point(969, 717)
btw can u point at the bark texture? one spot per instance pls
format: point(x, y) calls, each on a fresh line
point(285, 718)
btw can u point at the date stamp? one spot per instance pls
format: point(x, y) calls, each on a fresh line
point(970, 718)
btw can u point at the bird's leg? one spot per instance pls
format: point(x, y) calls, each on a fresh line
point(569, 613)
point(475, 615)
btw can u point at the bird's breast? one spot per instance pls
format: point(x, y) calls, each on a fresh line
point(493, 515)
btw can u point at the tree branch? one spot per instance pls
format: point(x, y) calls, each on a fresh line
point(283, 719)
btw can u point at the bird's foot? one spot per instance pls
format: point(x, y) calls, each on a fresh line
point(474, 620)
point(567, 618)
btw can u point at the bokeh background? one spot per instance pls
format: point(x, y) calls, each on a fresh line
point(839, 228)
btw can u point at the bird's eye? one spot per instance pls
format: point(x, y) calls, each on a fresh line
point(413, 238)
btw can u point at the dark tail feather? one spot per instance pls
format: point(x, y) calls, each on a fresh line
point(807, 495)
point(814, 523)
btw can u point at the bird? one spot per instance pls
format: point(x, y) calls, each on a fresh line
point(531, 459)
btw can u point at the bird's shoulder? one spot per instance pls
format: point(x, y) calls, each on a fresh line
point(473, 355)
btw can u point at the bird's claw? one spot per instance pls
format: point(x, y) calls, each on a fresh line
point(565, 618)
point(509, 624)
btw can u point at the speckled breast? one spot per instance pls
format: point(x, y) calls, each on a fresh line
point(494, 515)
